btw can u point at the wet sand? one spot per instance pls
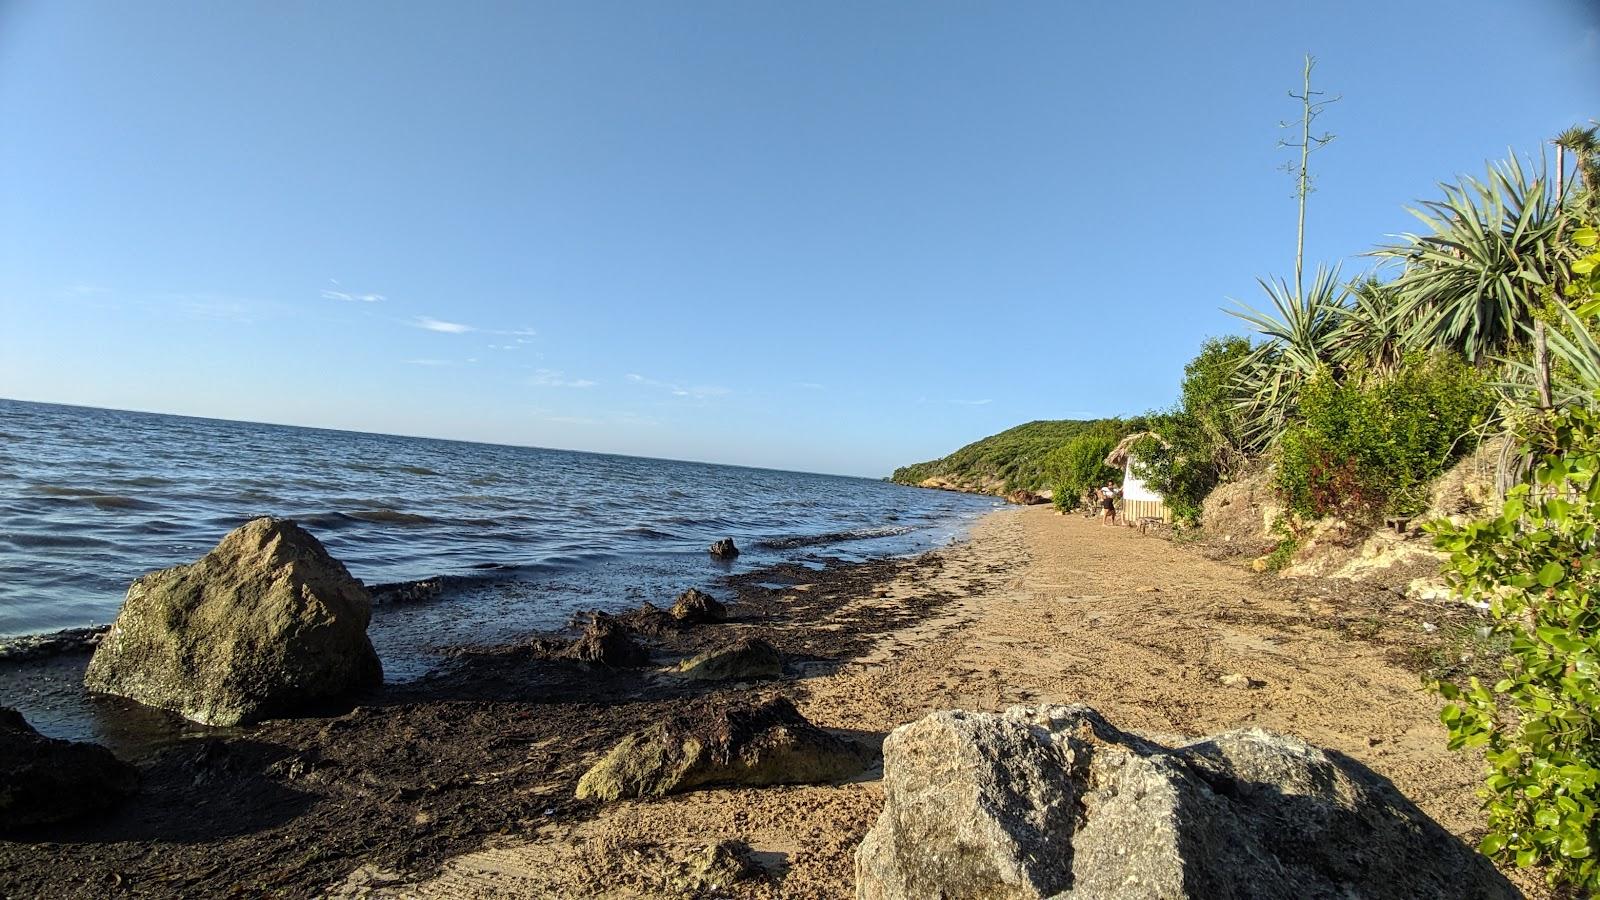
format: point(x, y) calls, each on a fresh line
point(462, 785)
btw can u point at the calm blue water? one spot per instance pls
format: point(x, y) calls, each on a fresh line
point(91, 498)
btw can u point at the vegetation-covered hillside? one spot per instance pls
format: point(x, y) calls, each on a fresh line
point(1012, 460)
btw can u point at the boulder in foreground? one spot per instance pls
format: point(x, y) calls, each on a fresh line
point(767, 743)
point(743, 660)
point(724, 549)
point(261, 626)
point(44, 780)
point(696, 607)
point(1055, 802)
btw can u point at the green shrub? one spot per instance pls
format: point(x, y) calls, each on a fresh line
point(1074, 467)
point(1537, 567)
point(1370, 443)
point(1200, 441)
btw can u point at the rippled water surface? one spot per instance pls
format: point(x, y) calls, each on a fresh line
point(91, 498)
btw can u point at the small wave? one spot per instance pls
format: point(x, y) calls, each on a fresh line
point(653, 534)
point(418, 470)
point(38, 646)
point(835, 537)
point(90, 495)
point(389, 517)
point(145, 481)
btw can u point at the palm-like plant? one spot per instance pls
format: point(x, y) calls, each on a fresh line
point(1475, 281)
point(1584, 145)
point(1370, 331)
point(1300, 341)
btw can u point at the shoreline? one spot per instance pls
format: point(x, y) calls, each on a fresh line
point(461, 784)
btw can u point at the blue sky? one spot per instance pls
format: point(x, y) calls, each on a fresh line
point(826, 236)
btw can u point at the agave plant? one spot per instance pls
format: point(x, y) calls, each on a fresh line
point(1370, 331)
point(1475, 281)
point(1300, 340)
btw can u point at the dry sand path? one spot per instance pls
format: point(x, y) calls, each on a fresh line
point(1052, 609)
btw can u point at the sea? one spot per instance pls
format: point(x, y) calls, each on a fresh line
point(520, 538)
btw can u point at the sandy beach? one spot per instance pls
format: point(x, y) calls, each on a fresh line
point(462, 784)
point(1043, 609)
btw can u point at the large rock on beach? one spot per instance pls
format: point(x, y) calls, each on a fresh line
point(724, 549)
point(715, 743)
point(264, 625)
point(43, 780)
point(696, 607)
point(606, 642)
point(746, 659)
point(1054, 801)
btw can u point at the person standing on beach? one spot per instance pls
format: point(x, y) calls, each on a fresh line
point(1108, 505)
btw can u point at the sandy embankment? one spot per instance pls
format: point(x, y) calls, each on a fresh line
point(1050, 609)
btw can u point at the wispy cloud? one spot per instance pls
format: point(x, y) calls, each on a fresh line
point(430, 362)
point(428, 323)
point(329, 294)
point(699, 392)
point(218, 307)
point(984, 402)
point(556, 378)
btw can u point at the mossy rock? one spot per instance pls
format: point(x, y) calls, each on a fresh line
point(714, 743)
point(263, 625)
point(747, 659)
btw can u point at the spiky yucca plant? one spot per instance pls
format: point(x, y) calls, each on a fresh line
point(1477, 279)
point(1370, 332)
point(1300, 339)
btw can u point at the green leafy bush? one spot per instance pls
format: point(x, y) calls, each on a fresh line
point(1080, 463)
point(1200, 442)
point(1537, 567)
point(1370, 443)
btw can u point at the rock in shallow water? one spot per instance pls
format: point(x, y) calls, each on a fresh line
point(724, 549)
point(263, 625)
point(768, 743)
point(1055, 802)
point(44, 780)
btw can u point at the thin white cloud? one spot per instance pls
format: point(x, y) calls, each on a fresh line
point(328, 294)
point(698, 392)
point(556, 378)
point(218, 308)
point(984, 402)
point(428, 323)
point(430, 362)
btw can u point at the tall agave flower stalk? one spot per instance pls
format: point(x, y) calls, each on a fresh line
point(1474, 282)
